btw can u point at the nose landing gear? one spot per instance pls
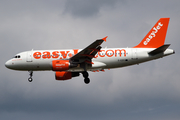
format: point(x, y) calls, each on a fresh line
point(30, 74)
point(85, 75)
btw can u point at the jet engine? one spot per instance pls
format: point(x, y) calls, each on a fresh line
point(62, 65)
point(65, 75)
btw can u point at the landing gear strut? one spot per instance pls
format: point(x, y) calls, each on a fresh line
point(85, 75)
point(30, 74)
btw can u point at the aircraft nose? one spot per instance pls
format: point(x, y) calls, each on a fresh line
point(8, 64)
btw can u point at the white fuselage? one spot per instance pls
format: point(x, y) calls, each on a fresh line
point(71, 62)
point(39, 60)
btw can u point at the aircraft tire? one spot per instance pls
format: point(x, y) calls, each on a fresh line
point(87, 80)
point(30, 79)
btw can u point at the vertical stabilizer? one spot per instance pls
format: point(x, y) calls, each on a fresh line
point(156, 36)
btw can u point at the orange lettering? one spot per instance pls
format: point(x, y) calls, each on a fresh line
point(46, 55)
point(110, 53)
point(100, 54)
point(64, 55)
point(55, 54)
point(120, 51)
point(70, 54)
point(37, 55)
point(75, 51)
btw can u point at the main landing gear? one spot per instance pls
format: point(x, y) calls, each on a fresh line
point(85, 75)
point(30, 74)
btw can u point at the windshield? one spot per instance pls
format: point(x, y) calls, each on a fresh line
point(17, 56)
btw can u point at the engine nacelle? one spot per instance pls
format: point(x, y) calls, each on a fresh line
point(62, 65)
point(65, 75)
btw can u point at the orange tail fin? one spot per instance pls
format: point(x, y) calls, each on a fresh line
point(156, 36)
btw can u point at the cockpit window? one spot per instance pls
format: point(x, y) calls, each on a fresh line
point(17, 56)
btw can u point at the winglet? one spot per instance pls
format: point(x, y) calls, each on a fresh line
point(156, 36)
point(104, 38)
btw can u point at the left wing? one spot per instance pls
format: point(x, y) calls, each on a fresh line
point(88, 53)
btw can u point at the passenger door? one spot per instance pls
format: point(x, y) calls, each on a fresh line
point(29, 56)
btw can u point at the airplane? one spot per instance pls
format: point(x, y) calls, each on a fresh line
point(69, 63)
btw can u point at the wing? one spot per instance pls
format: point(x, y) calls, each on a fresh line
point(85, 55)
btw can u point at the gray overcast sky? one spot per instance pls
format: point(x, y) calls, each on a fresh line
point(149, 91)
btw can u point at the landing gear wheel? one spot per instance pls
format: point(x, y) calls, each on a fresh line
point(30, 74)
point(86, 75)
point(30, 79)
point(87, 80)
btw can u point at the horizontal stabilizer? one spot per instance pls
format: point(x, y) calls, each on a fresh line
point(159, 50)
